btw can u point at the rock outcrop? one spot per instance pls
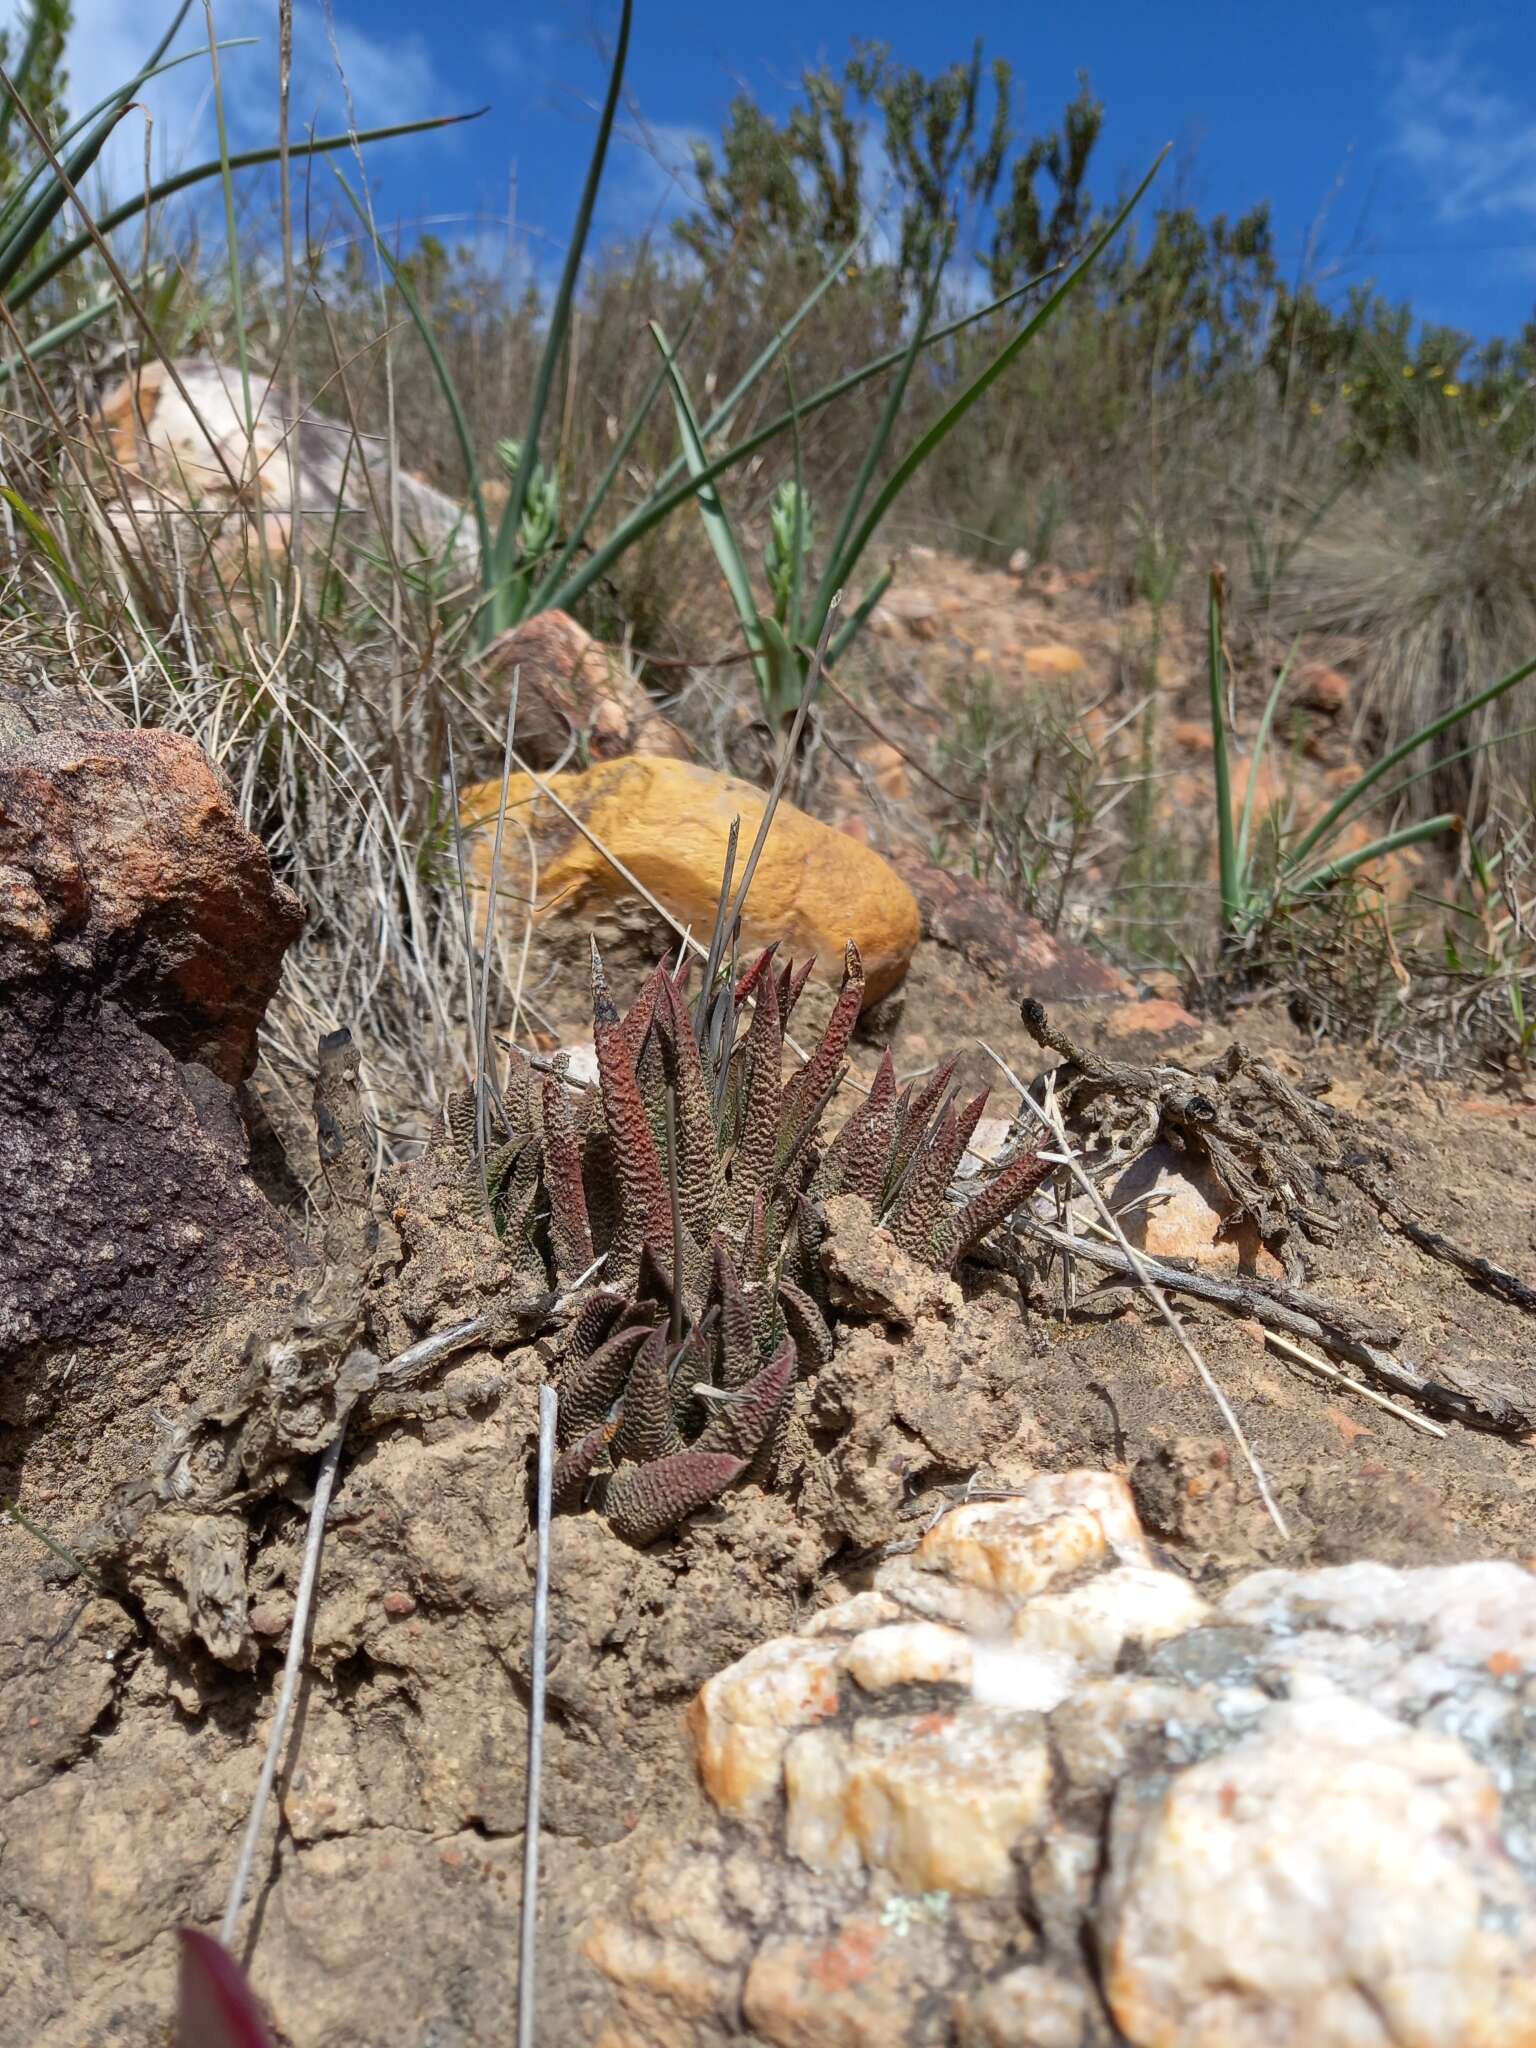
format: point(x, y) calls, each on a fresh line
point(142, 932)
point(1031, 1788)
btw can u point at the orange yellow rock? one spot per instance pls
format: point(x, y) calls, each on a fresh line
point(1054, 661)
point(667, 822)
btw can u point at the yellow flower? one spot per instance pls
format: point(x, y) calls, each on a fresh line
point(1451, 390)
point(1408, 370)
point(1438, 370)
point(1316, 408)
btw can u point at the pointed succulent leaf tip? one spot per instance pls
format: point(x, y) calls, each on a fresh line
point(795, 989)
point(605, 1012)
point(917, 1212)
point(517, 1090)
point(645, 1501)
point(915, 1115)
point(459, 1115)
point(570, 1228)
point(574, 1468)
point(688, 1369)
point(868, 1156)
point(742, 1426)
point(806, 1093)
point(806, 1325)
point(645, 1209)
point(962, 1230)
point(647, 1431)
point(215, 2007)
point(593, 1322)
point(654, 1282)
point(641, 1014)
point(588, 1387)
point(748, 984)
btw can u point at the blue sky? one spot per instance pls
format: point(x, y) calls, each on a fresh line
point(1396, 142)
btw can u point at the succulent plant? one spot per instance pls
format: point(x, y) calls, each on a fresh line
point(697, 1173)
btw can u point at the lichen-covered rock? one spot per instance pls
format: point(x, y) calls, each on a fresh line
point(668, 823)
point(1302, 1818)
point(1333, 1877)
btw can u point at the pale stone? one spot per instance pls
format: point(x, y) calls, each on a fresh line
point(1173, 1206)
point(848, 1617)
point(1031, 2007)
point(909, 1653)
point(940, 1801)
point(988, 1141)
point(1092, 1623)
point(1060, 1523)
point(745, 1714)
point(1025, 1681)
point(667, 823)
point(1334, 1881)
point(938, 1598)
point(867, 1985)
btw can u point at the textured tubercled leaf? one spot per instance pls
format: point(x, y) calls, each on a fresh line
point(568, 1182)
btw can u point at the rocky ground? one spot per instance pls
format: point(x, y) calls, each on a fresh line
point(1009, 1719)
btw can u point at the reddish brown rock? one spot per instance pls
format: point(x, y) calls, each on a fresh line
point(975, 922)
point(1156, 1023)
point(141, 936)
point(124, 868)
point(574, 691)
point(1322, 689)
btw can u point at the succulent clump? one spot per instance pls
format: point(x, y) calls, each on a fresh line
point(696, 1172)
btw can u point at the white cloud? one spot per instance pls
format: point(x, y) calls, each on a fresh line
point(651, 178)
point(1472, 143)
point(391, 79)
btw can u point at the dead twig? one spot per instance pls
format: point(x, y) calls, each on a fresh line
point(1143, 1276)
point(1318, 1322)
point(528, 1946)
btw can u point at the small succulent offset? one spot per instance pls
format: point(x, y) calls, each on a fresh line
point(698, 1174)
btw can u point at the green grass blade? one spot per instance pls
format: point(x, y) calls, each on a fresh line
point(56, 337)
point(1390, 842)
point(1499, 739)
point(39, 217)
point(551, 580)
point(16, 199)
point(979, 385)
point(838, 570)
point(440, 370)
point(666, 496)
point(717, 523)
point(244, 160)
point(554, 341)
point(1233, 892)
point(46, 541)
point(1323, 830)
point(37, 31)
